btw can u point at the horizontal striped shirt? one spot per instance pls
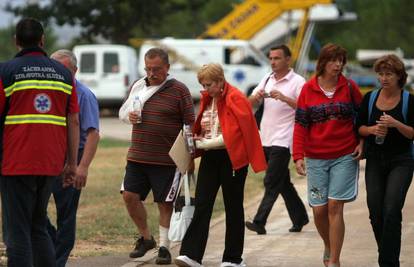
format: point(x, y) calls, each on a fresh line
point(163, 116)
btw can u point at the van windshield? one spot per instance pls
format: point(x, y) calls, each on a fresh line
point(88, 63)
point(111, 63)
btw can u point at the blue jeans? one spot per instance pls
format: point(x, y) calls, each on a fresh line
point(387, 182)
point(63, 236)
point(24, 202)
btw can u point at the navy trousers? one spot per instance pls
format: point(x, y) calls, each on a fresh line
point(24, 202)
point(64, 234)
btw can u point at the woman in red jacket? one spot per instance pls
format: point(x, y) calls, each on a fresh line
point(228, 138)
point(325, 138)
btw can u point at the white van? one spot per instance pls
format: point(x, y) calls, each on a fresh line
point(244, 66)
point(107, 70)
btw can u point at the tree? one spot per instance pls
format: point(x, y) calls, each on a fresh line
point(120, 20)
point(8, 48)
point(381, 24)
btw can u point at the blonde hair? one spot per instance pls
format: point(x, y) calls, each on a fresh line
point(212, 71)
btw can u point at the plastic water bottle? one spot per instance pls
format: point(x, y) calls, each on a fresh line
point(189, 138)
point(379, 140)
point(137, 106)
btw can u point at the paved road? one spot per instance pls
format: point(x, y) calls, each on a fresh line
point(279, 248)
point(112, 127)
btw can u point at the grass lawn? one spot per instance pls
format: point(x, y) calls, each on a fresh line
point(103, 225)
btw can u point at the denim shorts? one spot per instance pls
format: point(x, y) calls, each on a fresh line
point(332, 179)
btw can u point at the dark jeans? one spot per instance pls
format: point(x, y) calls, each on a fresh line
point(24, 202)
point(387, 182)
point(277, 181)
point(215, 171)
point(63, 236)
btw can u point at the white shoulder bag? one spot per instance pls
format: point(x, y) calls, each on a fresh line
point(181, 218)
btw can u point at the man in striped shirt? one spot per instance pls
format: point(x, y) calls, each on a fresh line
point(165, 105)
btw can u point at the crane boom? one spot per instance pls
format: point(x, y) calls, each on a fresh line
point(249, 17)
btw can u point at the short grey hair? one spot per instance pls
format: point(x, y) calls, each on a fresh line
point(64, 53)
point(158, 52)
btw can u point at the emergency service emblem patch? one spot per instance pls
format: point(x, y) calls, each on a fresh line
point(42, 103)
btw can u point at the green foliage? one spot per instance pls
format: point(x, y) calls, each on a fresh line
point(110, 19)
point(381, 24)
point(193, 19)
point(119, 21)
point(8, 48)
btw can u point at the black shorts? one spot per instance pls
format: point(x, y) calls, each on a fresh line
point(140, 178)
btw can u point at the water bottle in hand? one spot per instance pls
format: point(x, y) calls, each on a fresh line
point(137, 106)
point(189, 139)
point(379, 140)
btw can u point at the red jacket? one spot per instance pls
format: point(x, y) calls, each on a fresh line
point(324, 127)
point(238, 126)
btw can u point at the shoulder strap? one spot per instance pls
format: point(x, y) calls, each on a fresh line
point(268, 77)
point(406, 97)
point(372, 98)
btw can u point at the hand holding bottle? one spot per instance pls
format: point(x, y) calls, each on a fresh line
point(381, 130)
point(135, 115)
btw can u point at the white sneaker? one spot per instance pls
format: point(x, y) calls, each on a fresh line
point(184, 261)
point(231, 264)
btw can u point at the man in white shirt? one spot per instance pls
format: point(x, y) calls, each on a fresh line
point(279, 91)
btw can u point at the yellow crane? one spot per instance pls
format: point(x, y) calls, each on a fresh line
point(251, 16)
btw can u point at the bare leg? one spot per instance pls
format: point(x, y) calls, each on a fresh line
point(137, 213)
point(320, 215)
point(336, 229)
point(165, 209)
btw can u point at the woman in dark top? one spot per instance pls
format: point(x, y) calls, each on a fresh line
point(390, 165)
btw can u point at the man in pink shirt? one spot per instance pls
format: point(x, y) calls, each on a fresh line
point(279, 91)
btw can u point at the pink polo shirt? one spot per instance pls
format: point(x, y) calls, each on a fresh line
point(276, 127)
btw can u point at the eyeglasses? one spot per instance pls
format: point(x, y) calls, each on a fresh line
point(153, 69)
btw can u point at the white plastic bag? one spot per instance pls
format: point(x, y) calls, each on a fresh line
point(181, 219)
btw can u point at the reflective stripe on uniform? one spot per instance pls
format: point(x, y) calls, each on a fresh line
point(36, 119)
point(38, 85)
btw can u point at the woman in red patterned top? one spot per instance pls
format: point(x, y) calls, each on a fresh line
point(325, 138)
